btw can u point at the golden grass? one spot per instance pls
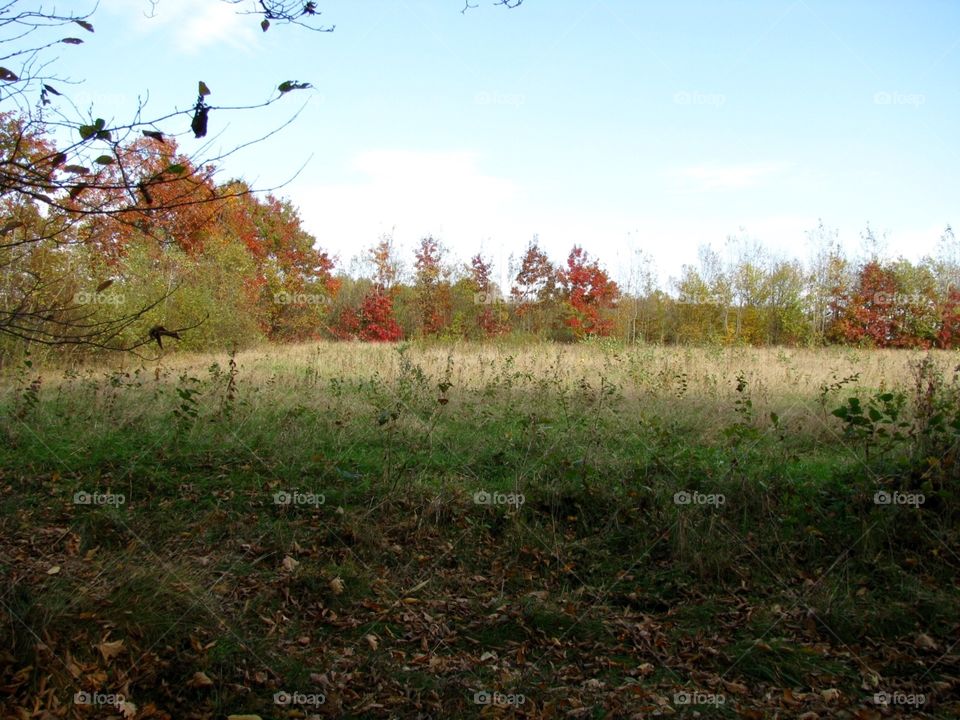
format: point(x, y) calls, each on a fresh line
point(694, 385)
point(697, 384)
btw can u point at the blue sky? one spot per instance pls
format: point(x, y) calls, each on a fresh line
point(616, 125)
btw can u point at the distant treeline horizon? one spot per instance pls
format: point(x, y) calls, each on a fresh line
point(239, 269)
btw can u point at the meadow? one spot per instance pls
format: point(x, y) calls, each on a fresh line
point(595, 530)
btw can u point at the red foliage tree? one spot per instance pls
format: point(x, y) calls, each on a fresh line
point(587, 291)
point(375, 320)
point(870, 313)
point(489, 319)
point(949, 335)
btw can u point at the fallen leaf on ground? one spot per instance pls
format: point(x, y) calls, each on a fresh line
point(110, 649)
point(200, 679)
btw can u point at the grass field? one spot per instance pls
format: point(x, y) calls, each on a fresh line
point(599, 531)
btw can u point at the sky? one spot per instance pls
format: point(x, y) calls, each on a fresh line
point(618, 125)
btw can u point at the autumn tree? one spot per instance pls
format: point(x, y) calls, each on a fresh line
point(96, 174)
point(869, 315)
point(88, 175)
point(491, 319)
point(948, 334)
point(375, 318)
point(51, 293)
point(588, 294)
point(386, 267)
point(916, 315)
point(294, 278)
point(432, 286)
point(534, 289)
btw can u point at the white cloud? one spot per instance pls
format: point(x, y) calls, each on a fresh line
point(193, 25)
point(727, 177)
point(447, 194)
point(443, 193)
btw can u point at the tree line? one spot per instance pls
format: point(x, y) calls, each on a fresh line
point(238, 268)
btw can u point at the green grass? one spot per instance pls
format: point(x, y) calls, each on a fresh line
point(596, 576)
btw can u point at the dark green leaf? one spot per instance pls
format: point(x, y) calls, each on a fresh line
point(289, 85)
point(265, 25)
point(87, 131)
point(199, 122)
point(72, 41)
point(85, 25)
point(104, 160)
point(52, 91)
point(155, 134)
point(104, 285)
point(204, 90)
point(176, 169)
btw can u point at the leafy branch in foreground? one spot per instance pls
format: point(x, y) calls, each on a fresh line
point(68, 182)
